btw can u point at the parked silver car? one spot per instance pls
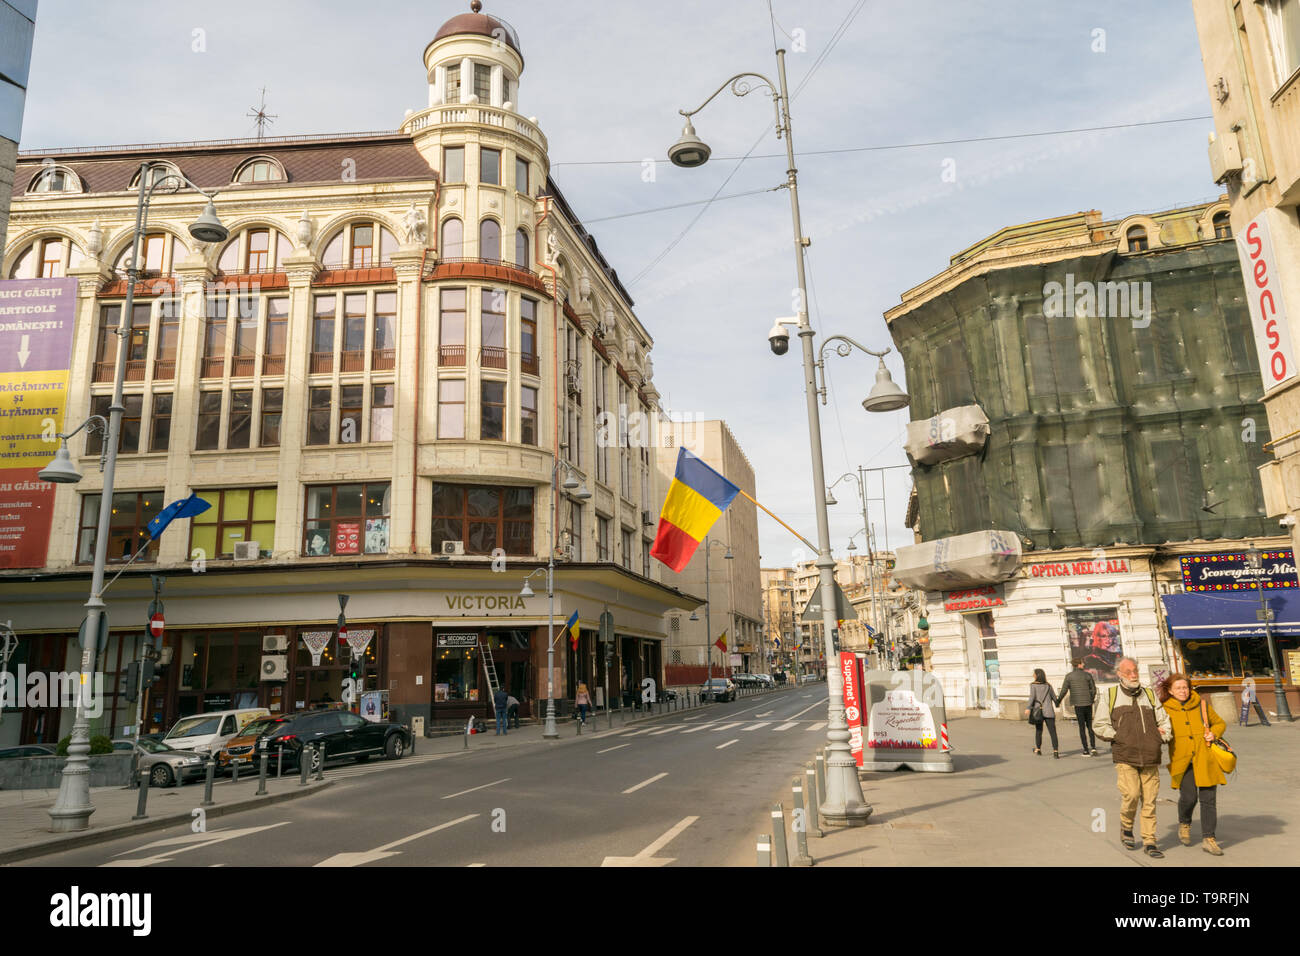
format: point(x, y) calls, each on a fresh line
point(166, 765)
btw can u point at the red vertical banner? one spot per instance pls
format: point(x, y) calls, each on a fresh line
point(852, 702)
point(36, 320)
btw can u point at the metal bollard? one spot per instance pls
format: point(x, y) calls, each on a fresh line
point(261, 776)
point(133, 780)
point(209, 778)
point(764, 850)
point(234, 771)
point(821, 773)
point(579, 722)
point(320, 767)
point(800, 826)
point(778, 836)
point(279, 762)
point(814, 801)
point(304, 769)
point(142, 784)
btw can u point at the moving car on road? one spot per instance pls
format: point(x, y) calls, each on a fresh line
point(335, 734)
point(719, 689)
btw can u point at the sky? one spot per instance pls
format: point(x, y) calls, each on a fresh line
point(605, 82)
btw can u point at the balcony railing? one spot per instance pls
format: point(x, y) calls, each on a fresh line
point(104, 371)
point(352, 361)
point(272, 364)
point(241, 366)
point(164, 370)
point(528, 363)
point(213, 367)
point(461, 113)
point(321, 362)
point(451, 355)
point(382, 360)
point(491, 356)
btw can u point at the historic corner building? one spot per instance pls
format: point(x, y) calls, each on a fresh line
point(369, 383)
point(1088, 438)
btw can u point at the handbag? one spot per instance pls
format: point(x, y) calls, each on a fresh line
point(1035, 709)
point(1220, 750)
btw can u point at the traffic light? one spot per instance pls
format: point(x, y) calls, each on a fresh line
point(148, 674)
point(132, 689)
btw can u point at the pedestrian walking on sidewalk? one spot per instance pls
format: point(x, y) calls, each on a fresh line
point(1250, 699)
point(512, 712)
point(1136, 727)
point(1194, 772)
point(1082, 688)
point(500, 704)
point(582, 701)
point(1042, 704)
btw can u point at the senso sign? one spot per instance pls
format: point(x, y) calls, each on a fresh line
point(1264, 297)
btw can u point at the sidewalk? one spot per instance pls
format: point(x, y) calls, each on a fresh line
point(1004, 806)
point(24, 820)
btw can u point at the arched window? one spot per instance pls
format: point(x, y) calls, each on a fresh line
point(157, 173)
point(521, 249)
point(359, 245)
point(1222, 225)
point(453, 239)
point(260, 169)
point(159, 252)
point(256, 250)
point(1136, 238)
point(47, 258)
point(55, 179)
point(489, 239)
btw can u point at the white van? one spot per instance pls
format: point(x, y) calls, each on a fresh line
point(208, 733)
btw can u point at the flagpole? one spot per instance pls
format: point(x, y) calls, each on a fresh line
point(143, 549)
point(778, 520)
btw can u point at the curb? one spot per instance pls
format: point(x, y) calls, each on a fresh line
point(118, 830)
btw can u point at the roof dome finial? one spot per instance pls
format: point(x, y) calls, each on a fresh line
point(475, 6)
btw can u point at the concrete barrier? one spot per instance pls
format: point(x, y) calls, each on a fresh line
point(45, 773)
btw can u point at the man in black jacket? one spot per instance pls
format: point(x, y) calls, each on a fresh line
point(1082, 689)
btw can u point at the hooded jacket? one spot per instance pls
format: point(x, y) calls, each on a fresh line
point(1134, 725)
point(1189, 746)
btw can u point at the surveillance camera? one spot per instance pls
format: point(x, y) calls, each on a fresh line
point(1287, 521)
point(779, 339)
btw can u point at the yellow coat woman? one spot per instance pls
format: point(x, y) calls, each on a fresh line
point(1190, 750)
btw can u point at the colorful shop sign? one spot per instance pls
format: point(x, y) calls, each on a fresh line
point(458, 640)
point(1059, 569)
point(852, 675)
point(36, 321)
point(975, 599)
point(1231, 572)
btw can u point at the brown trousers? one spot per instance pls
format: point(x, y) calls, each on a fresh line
point(1138, 783)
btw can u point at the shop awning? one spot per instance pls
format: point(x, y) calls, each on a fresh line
point(1206, 617)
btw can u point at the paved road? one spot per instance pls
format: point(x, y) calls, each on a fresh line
point(680, 789)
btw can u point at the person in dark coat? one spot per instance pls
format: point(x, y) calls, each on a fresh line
point(501, 704)
point(1040, 692)
point(1082, 688)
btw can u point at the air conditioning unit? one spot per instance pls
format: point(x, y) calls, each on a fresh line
point(275, 643)
point(453, 547)
point(572, 384)
point(1225, 156)
point(246, 550)
point(564, 552)
point(275, 668)
point(647, 519)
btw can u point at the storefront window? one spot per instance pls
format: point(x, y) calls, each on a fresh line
point(456, 674)
point(347, 519)
point(1094, 636)
point(132, 511)
point(484, 518)
point(1205, 658)
point(237, 514)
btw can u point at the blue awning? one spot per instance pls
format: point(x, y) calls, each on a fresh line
point(1207, 617)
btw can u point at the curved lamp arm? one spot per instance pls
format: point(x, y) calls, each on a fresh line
point(844, 347)
point(740, 87)
point(95, 423)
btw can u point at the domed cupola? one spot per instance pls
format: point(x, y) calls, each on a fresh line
point(475, 58)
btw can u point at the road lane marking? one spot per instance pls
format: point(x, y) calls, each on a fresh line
point(472, 789)
point(793, 723)
point(196, 840)
point(646, 783)
point(766, 713)
point(647, 856)
point(806, 709)
point(472, 865)
point(696, 730)
point(379, 853)
point(727, 744)
point(666, 730)
point(727, 726)
point(608, 749)
point(761, 723)
point(638, 733)
point(820, 725)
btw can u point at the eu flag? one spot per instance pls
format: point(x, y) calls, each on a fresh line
point(185, 508)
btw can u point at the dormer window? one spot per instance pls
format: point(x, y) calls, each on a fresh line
point(1222, 225)
point(159, 251)
point(1136, 237)
point(260, 170)
point(157, 173)
point(55, 179)
point(255, 251)
point(361, 245)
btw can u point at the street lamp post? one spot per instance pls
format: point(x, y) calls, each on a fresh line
point(549, 731)
point(843, 804)
point(72, 809)
point(708, 604)
point(1255, 560)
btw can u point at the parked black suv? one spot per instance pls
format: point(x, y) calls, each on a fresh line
point(339, 733)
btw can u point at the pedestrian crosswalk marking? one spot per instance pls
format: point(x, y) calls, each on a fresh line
point(695, 730)
point(820, 725)
point(727, 726)
point(793, 723)
point(666, 730)
point(760, 724)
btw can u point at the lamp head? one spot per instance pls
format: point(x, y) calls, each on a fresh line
point(61, 470)
point(525, 591)
point(852, 546)
point(885, 395)
point(729, 556)
point(689, 151)
point(830, 499)
point(693, 617)
point(582, 494)
point(208, 228)
point(570, 483)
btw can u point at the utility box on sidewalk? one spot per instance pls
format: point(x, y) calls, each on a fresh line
point(905, 722)
point(417, 726)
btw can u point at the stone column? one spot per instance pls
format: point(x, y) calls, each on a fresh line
point(301, 268)
point(407, 417)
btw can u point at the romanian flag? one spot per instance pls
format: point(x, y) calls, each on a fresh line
point(721, 642)
point(571, 628)
point(696, 499)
